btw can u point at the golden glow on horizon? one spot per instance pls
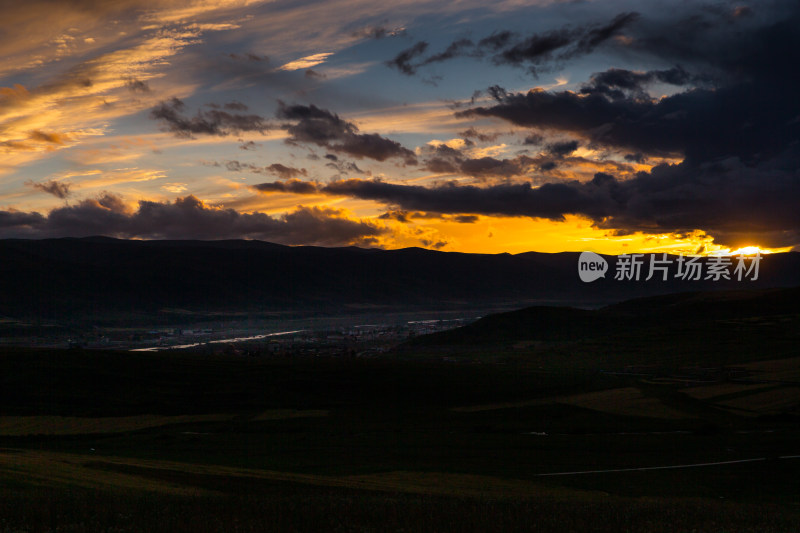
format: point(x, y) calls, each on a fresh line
point(753, 250)
point(492, 235)
point(575, 234)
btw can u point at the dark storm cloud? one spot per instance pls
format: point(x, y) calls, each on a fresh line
point(722, 197)
point(736, 126)
point(446, 160)
point(442, 158)
point(748, 120)
point(635, 158)
point(569, 42)
point(669, 198)
point(402, 61)
point(187, 218)
point(455, 49)
point(490, 167)
point(291, 186)
point(619, 83)
point(21, 222)
point(623, 123)
point(284, 172)
point(496, 40)
point(309, 124)
point(626, 79)
point(506, 47)
point(497, 92)
point(748, 112)
point(406, 217)
point(294, 186)
point(564, 148)
point(722, 45)
point(537, 47)
point(533, 139)
point(441, 165)
point(59, 189)
point(324, 128)
point(519, 199)
point(594, 36)
point(210, 122)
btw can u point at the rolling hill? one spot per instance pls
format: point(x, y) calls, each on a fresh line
point(714, 328)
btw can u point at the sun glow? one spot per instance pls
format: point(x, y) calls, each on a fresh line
point(750, 250)
point(753, 250)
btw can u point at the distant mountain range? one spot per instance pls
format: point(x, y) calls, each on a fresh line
point(98, 278)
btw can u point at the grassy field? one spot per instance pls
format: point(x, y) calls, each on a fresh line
point(68, 492)
point(105, 441)
point(74, 425)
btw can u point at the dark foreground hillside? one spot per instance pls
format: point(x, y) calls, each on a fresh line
point(693, 328)
point(563, 434)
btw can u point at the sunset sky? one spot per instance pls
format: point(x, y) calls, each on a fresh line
point(510, 126)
